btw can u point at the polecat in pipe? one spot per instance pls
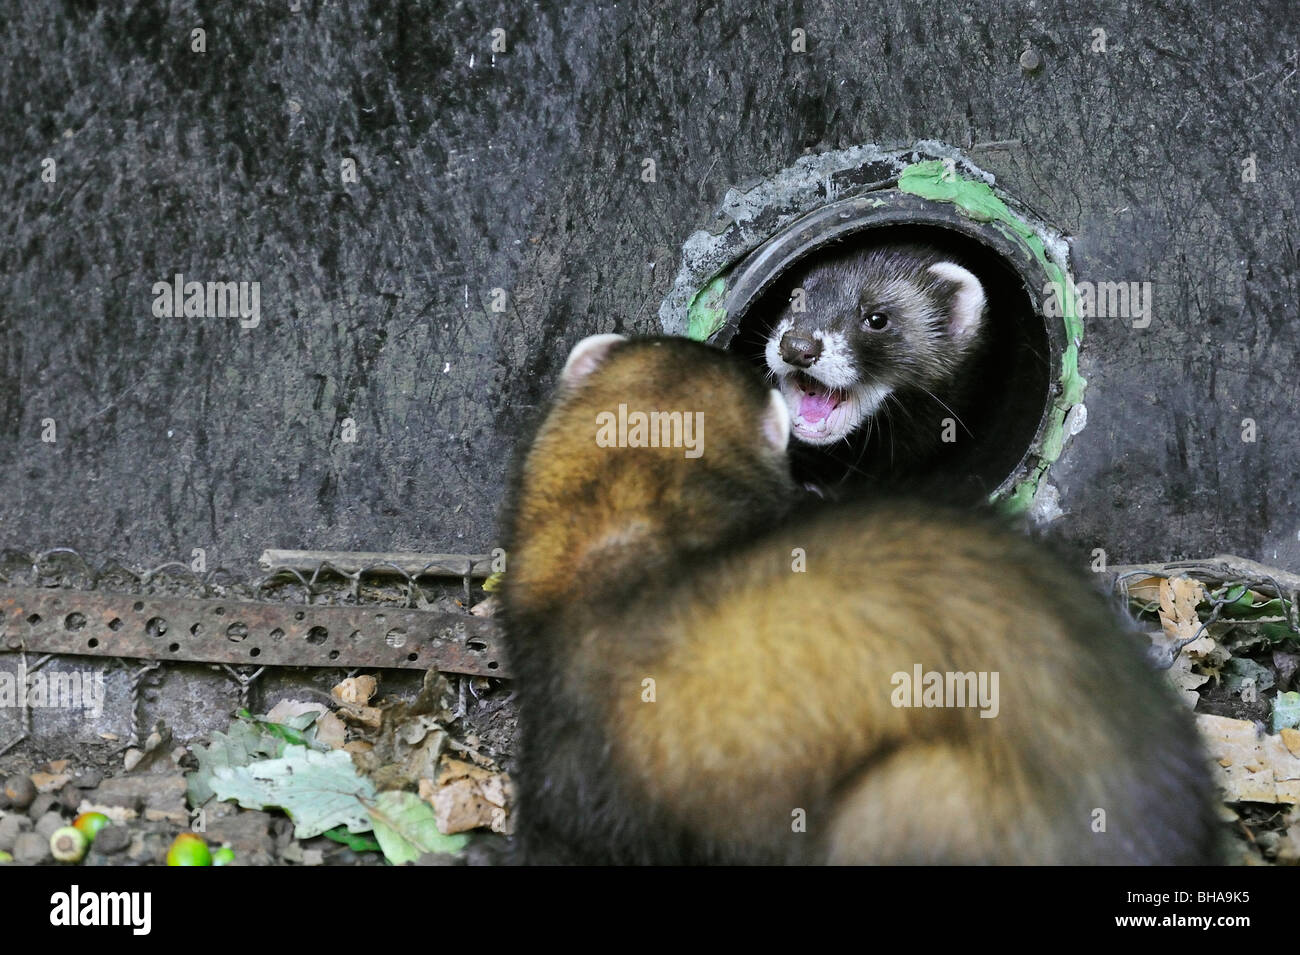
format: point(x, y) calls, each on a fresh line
point(705, 677)
point(873, 350)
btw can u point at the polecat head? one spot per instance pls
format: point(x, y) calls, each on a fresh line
point(653, 448)
point(860, 326)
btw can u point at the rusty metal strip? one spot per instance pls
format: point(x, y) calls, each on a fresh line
point(98, 623)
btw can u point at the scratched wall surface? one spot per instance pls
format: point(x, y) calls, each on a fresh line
point(520, 171)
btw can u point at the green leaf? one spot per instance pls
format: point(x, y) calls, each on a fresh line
point(286, 733)
point(243, 743)
point(319, 791)
point(406, 829)
point(1239, 603)
point(1286, 711)
point(1277, 632)
point(1240, 670)
point(298, 730)
point(357, 842)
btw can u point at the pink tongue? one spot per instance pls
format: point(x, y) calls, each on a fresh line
point(816, 407)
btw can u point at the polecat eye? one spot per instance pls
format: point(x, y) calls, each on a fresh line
point(876, 321)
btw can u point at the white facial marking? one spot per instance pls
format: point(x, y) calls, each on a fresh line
point(860, 402)
point(834, 366)
point(772, 350)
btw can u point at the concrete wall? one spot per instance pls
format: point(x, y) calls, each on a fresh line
point(520, 170)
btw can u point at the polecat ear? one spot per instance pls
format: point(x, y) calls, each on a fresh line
point(587, 356)
point(968, 301)
point(776, 422)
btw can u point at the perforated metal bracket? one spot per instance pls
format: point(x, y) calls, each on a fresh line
point(98, 623)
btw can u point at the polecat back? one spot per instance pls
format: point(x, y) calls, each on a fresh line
point(703, 677)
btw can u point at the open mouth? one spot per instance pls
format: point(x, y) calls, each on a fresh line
point(819, 414)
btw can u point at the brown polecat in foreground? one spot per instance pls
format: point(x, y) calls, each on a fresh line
point(873, 350)
point(703, 678)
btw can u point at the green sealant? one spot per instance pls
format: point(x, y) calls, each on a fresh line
point(933, 180)
point(706, 314)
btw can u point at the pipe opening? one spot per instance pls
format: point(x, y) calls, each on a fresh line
point(964, 435)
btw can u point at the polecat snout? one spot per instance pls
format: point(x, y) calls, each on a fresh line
point(877, 336)
point(703, 677)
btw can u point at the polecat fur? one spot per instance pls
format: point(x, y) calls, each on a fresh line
point(705, 675)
